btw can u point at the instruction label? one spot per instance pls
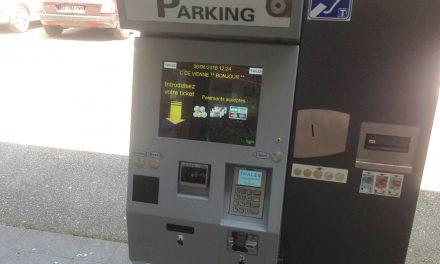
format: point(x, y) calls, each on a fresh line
point(378, 183)
point(260, 13)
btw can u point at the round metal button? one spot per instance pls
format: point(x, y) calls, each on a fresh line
point(154, 163)
point(277, 156)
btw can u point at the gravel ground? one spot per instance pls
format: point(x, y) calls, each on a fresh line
point(84, 194)
point(424, 246)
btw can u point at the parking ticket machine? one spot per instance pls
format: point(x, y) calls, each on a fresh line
point(212, 107)
point(262, 129)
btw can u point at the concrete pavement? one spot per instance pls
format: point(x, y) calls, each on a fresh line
point(26, 246)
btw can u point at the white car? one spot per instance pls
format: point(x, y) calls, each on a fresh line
point(18, 14)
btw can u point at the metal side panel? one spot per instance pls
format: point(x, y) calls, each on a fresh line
point(380, 67)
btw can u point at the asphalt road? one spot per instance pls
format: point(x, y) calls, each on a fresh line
point(63, 191)
point(64, 131)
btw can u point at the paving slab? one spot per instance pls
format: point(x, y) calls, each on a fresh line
point(94, 250)
point(23, 247)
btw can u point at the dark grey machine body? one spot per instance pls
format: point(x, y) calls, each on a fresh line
point(381, 67)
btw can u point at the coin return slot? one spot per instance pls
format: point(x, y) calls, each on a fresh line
point(243, 242)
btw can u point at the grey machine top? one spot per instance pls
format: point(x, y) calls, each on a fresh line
point(253, 20)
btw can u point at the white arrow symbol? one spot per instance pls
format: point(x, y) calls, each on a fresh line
point(321, 7)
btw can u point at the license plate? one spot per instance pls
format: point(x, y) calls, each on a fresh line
point(76, 9)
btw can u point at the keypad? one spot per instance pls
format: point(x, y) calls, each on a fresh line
point(247, 201)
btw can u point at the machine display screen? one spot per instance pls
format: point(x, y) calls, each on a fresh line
point(210, 102)
point(250, 178)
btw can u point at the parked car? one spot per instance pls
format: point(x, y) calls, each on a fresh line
point(56, 15)
point(18, 14)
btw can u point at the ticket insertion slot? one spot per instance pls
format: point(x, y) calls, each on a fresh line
point(194, 178)
point(387, 143)
point(387, 147)
point(180, 229)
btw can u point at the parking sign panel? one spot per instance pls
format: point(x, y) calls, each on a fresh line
point(330, 10)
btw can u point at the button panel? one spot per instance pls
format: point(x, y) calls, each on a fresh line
point(319, 173)
point(248, 192)
point(247, 202)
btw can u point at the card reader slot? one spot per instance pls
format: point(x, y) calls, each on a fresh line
point(180, 229)
point(387, 143)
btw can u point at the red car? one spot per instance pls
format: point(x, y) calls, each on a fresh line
point(57, 15)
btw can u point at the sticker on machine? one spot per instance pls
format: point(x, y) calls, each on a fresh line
point(384, 184)
point(330, 10)
point(319, 173)
point(255, 13)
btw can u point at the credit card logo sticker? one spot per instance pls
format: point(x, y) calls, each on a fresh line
point(238, 113)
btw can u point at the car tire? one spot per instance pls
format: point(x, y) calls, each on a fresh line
point(119, 33)
point(19, 22)
point(53, 31)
